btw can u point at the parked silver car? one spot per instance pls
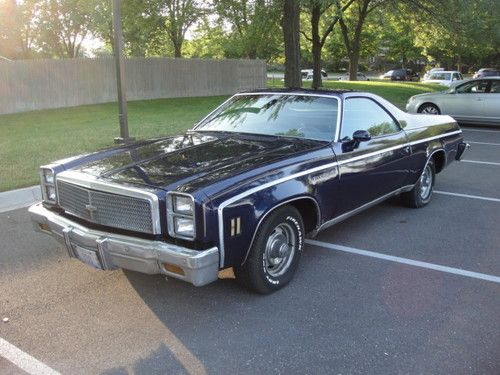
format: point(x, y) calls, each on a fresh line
point(474, 101)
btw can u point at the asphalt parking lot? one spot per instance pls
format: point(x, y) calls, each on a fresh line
point(392, 290)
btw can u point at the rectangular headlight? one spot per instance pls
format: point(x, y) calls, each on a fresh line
point(51, 193)
point(47, 178)
point(180, 216)
point(182, 204)
point(183, 226)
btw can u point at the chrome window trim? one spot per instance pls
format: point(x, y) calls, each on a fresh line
point(224, 204)
point(337, 98)
point(391, 115)
point(92, 182)
point(171, 214)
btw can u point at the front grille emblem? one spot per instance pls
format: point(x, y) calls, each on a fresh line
point(90, 208)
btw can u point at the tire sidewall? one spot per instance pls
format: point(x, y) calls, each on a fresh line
point(292, 217)
point(420, 200)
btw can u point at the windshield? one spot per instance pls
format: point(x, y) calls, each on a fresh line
point(298, 116)
point(440, 76)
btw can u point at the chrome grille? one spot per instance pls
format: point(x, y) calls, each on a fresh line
point(113, 210)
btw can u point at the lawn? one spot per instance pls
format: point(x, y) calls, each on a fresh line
point(30, 139)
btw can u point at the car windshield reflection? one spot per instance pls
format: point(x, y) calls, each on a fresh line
point(298, 116)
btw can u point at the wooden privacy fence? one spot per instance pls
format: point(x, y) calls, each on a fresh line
point(39, 84)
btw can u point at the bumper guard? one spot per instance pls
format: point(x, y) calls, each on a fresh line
point(108, 251)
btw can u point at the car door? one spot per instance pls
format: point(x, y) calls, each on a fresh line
point(466, 102)
point(372, 169)
point(491, 101)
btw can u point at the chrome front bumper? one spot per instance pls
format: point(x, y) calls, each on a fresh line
point(110, 251)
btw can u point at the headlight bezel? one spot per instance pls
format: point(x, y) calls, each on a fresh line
point(48, 184)
point(174, 215)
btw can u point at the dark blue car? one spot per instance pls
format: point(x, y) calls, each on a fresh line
point(245, 186)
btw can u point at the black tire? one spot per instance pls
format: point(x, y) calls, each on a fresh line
point(280, 236)
point(421, 193)
point(429, 109)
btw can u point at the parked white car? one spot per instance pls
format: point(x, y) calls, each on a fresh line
point(361, 77)
point(307, 74)
point(430, 71)
point(445, 77)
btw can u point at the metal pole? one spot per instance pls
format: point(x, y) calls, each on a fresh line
point(120, 73)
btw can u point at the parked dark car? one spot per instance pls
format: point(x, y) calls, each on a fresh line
point(401, 75)
point(486, 72)
point(245, 186)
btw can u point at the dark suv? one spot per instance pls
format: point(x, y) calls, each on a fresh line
point(401, 75)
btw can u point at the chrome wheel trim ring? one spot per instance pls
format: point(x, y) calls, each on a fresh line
point(425, 185)
point(281, 246)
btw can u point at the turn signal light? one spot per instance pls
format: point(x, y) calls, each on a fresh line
point(173, 268)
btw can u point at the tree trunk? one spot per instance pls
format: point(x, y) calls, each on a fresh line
point(291, 29)
point(353, 65)
point(177, 49)
point(316, 46)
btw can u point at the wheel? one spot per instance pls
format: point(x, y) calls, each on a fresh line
point(429, 109)
point(275, 253)
point(421, 193)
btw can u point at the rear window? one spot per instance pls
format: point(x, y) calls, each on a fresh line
point(440, 76)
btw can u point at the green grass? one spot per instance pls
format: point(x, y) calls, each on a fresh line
point(30, 139)
point(397, 93)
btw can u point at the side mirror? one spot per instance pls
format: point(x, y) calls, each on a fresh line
point(358, 137)
point(361, 136)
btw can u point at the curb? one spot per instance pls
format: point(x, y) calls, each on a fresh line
point(14, 199)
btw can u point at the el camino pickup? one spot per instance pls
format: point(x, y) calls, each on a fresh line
point(245, 186)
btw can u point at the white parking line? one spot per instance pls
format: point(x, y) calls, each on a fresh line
point(481, 130)
point(23, 360)
point(410, 262)
point(467, 196)
point(484, 143)
point(480, 162)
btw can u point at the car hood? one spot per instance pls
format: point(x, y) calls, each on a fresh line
point(194, 159)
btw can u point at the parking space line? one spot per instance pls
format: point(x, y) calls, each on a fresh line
point(481, 130)
point(410, 262)
point(480, 162)
point(467, 196)
point(484, 143)
point(23, 360)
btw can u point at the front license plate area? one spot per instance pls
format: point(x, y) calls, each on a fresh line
point(87, 256)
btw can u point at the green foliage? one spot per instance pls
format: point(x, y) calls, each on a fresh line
point(254, 28)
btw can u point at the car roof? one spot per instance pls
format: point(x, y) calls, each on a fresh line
point(285, 91)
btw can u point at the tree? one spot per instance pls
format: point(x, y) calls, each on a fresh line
point(254, 27)
point(18, 28)
point(291, 36)
point(176, 17)
point(351, 26)
point(64, 25)
point(317, 9)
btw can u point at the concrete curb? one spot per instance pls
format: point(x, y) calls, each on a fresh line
point(14, 199)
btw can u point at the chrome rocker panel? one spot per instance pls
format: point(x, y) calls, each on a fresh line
point(120, 251)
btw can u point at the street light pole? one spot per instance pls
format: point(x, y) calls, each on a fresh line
point(120, 73)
